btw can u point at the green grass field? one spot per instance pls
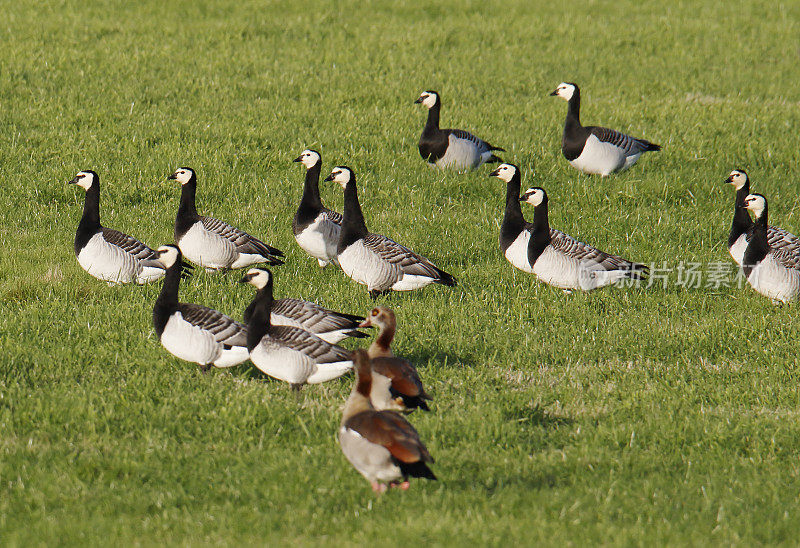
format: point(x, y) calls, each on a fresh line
point(624, 416)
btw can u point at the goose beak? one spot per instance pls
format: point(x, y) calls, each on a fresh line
point(172, 177)
point(419, 100)
point(298, 159)
point(365, 323)
point(729, 180)
point(554, 92)
point(494, 173)
point(329, 177)
point(246, 279)
point(73, 181)
point(523, 197)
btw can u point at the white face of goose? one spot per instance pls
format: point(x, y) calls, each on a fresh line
point(428, 98)
point(565, 91)
point(182, 175)
point(258, 277)
point(167, 255)
point(737, 178)
point(533, 196)
point(505, 172)
point(341, 175)
point(755, 203)
point(84, 179)
point(309, 158)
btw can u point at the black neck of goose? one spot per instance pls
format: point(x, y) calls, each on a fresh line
point(574, 111)
point(741, 219)
point(541, 222)
point(311, 199)
point(260, 311)
point(167, 301)
point(187, 207)
point(353, 225)
point(513, 221)
point(758, 247)
point(187, 211)
point(433, 115)
point(90, 220)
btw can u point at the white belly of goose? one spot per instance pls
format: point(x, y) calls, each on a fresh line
point(738, 248)
point(517, 252)
point(108, 262)
point(461, 154)
point(207, 249)
point(367, 268)
point(319, 239)
point(774, 280)
point(601, 158)
point(188, 342)
point(371, 460)
point(282, 363)
point(408, 282)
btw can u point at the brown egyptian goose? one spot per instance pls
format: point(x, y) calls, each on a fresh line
point(395, 382)
point(381, 445)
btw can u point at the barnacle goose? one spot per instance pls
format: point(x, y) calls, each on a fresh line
point(775, 273)
point(454, 148)
point(326, 324)
point(381, 445)
point(107, 254)
point(211, 243)
point(376, 261)
point(287, 353)
point(554, 257)
point(395, 381)
point(742, 226)
point(192, 332)
point(592, 149)
point(316, 228)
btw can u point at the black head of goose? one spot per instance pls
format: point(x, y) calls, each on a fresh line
point(193, 332)
point(593, 149)
point(108, 254)
point(316, 228)
point(374, 260)
point(381, 445)
point(209, 242)
point(288, 353)
point(454, 148)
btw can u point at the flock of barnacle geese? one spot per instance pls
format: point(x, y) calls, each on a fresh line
point(296, 341)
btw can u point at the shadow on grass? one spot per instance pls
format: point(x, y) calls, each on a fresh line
point(536, 416)
point(443, 359)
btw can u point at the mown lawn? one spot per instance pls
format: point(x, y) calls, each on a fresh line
point(666, 415)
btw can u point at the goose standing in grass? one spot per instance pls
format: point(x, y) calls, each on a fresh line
point(775, 273)
point(326, 324)
point(287, 353)
point(554, 257)
point(592, 149)
point(742, 226)
point(192, 332)
point(381, 445)
point(451, 148)
point(395, 382)
point(376, 261)
point(211, 243)
point(316, 228)
point(107, 254)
